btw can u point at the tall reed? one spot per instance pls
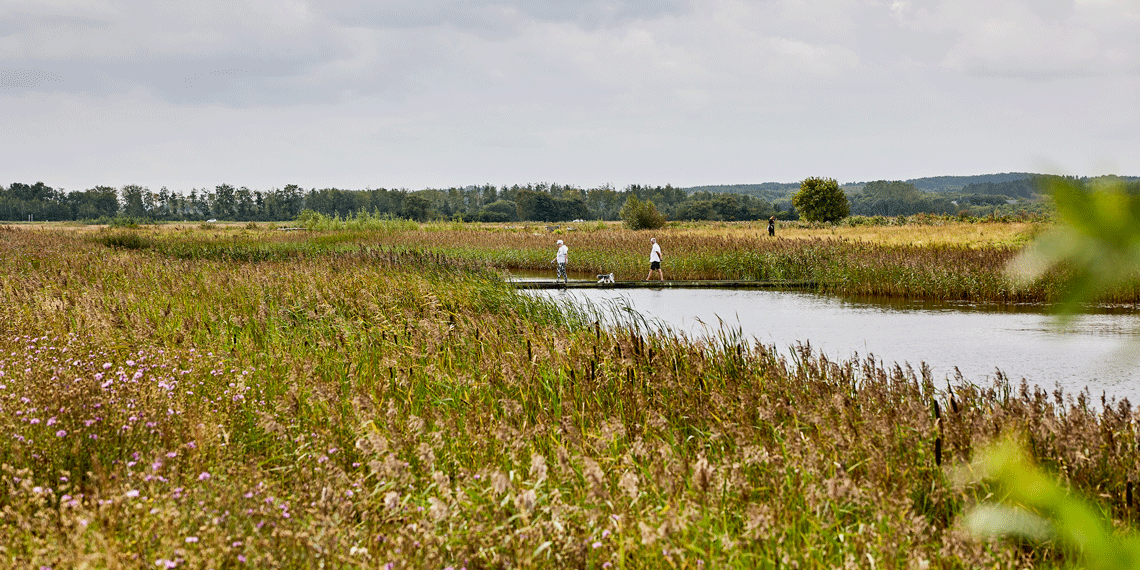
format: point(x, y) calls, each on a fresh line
point(358, 406)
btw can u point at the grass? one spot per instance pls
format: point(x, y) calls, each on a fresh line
point(349, 403)
point(934, 259)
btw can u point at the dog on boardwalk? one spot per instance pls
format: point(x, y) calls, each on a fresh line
point(606, 278)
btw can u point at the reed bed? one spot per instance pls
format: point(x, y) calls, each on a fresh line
point(343, 407)
point(934, 262)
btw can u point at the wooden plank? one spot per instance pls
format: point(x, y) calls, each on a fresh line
point(667, 284)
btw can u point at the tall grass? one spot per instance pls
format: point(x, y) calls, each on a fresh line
point(924, 268)
point(351, 409)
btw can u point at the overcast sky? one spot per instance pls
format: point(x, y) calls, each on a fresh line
point(437, 93)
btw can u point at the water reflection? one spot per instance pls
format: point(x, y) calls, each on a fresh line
point(1098, 351)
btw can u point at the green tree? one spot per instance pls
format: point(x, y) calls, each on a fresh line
point(821, 200)
point(639, 215)
point(416, 207)
point(225, 203)
point(133, 200)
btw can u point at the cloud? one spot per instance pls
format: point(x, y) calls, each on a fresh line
point(1031, 38)
point(499, 18)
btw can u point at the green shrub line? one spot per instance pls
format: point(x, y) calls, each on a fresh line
point(351, 408)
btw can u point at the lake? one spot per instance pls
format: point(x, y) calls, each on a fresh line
point(1098, 351)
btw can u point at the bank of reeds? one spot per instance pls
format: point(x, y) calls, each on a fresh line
point(925, 269)
point(349, 410)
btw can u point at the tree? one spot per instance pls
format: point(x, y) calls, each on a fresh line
point(416, 207)
point(821, 200)
point(225, 204)
point(535, 206)
point(133, 203)
point(639, 215)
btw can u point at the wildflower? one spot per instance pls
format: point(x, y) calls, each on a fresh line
point(203, 476)
point(106, 366)
point(191, 539)
point(133, 493)
point(597, 544)
point(51, 421)
point(61, 433)
point(172, 454)
point(241, 558)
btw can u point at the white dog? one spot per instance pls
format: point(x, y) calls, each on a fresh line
point(606, 278)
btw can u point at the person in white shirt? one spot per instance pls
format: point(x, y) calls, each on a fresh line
point(655, 260)
point(561, 258)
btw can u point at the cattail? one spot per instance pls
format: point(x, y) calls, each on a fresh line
point(938, 451)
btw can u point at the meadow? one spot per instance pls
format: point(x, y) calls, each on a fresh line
point(377, 397)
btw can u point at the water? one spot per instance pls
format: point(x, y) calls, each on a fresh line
point(1097, 351)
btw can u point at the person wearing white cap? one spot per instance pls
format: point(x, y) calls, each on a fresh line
point(655, 260)
point(561, 258)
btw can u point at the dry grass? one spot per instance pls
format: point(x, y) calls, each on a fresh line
point(354, 406)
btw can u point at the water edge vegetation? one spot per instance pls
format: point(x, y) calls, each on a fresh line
point(219, 396)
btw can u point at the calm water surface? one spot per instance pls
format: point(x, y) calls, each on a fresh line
point(1097, 351)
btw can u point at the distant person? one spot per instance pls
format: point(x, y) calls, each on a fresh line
point(772, 226)
point(655, 260)
point(561, 258)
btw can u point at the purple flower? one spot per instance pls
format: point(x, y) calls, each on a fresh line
point(61, 433)
point(203, 476)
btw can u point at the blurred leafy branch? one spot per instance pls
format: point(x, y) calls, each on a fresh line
point(1097, 241)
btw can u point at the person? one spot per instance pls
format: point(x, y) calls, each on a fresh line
point(561, 258)
point(655, 260)
point(772, 226)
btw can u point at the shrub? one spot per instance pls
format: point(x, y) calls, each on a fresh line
point(125, 240)
point(639, 215)
point(821, 200)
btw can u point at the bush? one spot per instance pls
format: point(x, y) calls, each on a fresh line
point(639, 215)
point(821, 200)
point(489, 216)
point(125, 240)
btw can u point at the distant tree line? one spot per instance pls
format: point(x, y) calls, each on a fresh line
point(543, 202)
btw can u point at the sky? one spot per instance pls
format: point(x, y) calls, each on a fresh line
point(419, 94)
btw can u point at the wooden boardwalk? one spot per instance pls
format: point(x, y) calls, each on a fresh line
point(667, 284)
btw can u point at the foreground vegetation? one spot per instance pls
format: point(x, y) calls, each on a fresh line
point(200, 398)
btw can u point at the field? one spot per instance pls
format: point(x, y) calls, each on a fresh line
point(376, 397)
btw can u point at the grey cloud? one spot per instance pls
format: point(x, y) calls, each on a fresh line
point(499, 18)
point(23, 79)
